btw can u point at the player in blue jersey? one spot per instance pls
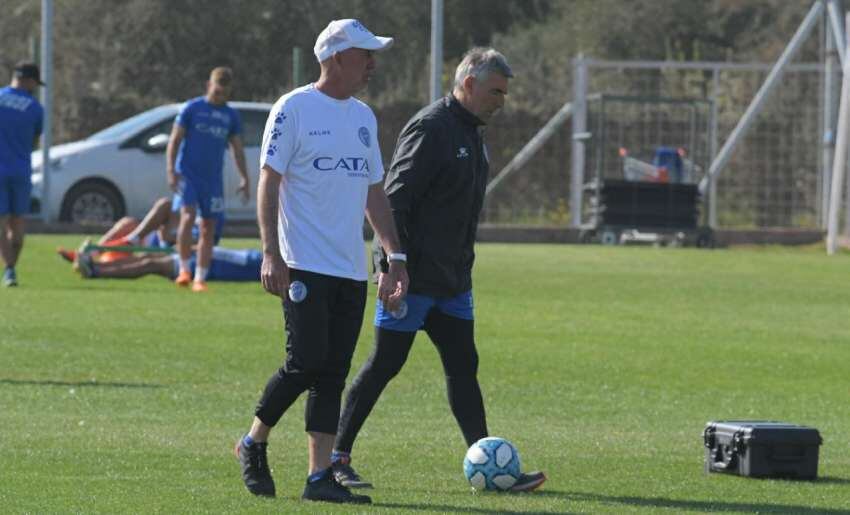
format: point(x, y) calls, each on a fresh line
point(20, 126)
point(225, 265)
point(203, 130)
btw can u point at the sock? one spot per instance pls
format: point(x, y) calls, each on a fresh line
point(184, 265)
point(200, 274)
point(318, 476)
point(341, 457)
point(247, 440)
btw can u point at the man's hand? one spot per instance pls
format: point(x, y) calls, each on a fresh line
point(244, 189)
point(274, 274)
point(173, 183)
point(239, 160)
point(392, 286)
point(177, 134)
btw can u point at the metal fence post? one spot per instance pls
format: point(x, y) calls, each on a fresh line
point(712, 148)
point(46, 100)
point(830, 109)
point(839, 165)
point(436, 89)
point(578, 137)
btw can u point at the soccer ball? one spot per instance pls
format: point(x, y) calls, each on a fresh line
point(491, 463)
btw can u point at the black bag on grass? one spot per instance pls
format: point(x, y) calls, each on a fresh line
point(761, 449)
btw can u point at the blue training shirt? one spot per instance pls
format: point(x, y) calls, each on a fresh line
point(20, 123)
point(208, 130)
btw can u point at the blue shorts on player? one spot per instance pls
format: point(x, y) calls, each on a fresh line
point(178, 201)
point(207, 198)
point(410, 317)
point(15, 194)
point(228, 265)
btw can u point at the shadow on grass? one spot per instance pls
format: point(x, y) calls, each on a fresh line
point(697, 506)
point(445, 508)
point(49, 382)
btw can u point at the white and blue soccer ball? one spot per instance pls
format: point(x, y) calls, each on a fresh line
point(492, 463)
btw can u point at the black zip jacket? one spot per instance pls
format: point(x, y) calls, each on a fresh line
point(436, 189)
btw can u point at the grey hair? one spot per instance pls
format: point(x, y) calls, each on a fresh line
point(480, 62)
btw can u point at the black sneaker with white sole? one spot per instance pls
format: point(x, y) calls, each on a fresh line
point(328, 489)
point(528, 481)
point(255, 468)
point(347, 477)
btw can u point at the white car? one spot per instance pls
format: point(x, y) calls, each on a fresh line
point(121, 170)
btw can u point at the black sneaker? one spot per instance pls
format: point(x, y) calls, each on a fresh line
point(528, 481)
point(255, 468)
point(347, 477)
point(328, 489)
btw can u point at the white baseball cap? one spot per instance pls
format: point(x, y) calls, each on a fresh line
point(341, 35)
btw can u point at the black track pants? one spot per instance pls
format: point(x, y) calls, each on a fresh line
point(455, 342)
point(321, 333)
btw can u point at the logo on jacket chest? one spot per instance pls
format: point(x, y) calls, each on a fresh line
point(462, 153)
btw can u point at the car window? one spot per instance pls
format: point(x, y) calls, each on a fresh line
point(140, 140)
point(253, 124)
point(163, 127)
point(130, 125)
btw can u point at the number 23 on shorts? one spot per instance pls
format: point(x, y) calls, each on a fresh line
point(217, 204)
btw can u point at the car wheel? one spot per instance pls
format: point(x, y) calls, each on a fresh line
point(92, 202)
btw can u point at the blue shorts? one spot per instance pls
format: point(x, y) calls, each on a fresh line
point(15, 194)
point(208, 199)
point(228, 265)
point(411, 316)
point(177, 202)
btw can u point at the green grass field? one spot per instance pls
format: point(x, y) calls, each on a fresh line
point(601, 364)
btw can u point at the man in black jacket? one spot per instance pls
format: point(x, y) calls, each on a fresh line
point(436, 188)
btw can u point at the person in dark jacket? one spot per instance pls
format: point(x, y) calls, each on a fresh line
point(436, 187)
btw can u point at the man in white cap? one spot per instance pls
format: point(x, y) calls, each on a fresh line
point(321, 169)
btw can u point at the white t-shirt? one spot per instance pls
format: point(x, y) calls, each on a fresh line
point(326, 151)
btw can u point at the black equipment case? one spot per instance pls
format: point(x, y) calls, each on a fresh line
point(761, 449)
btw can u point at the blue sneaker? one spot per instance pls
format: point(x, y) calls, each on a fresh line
point(10, 278)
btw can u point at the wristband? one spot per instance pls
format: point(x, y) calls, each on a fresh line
point(397, 256)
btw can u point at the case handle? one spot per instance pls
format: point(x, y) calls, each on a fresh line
point(725, 457)
point(726, 461)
